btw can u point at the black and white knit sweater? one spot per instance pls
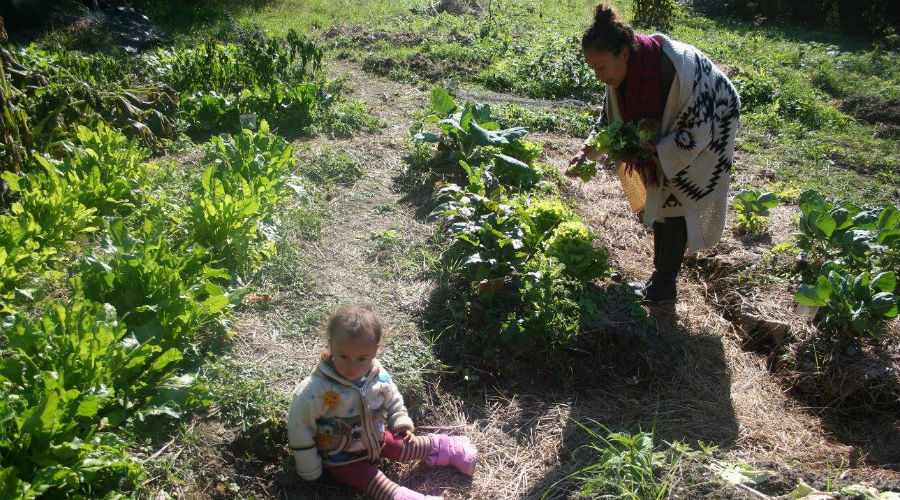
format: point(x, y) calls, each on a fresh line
point(696, 147)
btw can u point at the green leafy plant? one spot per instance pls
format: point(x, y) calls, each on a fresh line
point(164, 291)
point(252, 164)
point(855, 304)
point(71, 380)
point(834, 230)
point(106, 168)
point(752, 208)
point(543, 216)
point(624, 141)
point(627, 466)
point(547, 316)
point(230, 225)
point(288, 107)
point(487, 235)
point(572, 244)
point(230, 68)
point(465, 128)
point(39, 230)
point(586, 170)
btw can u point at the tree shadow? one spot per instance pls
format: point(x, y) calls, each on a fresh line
point(782, 30)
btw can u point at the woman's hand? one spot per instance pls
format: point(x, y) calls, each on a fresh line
point(579, 158)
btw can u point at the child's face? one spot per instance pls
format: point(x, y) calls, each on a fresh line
point(352, 357)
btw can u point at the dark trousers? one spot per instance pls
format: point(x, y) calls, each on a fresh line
point(669, 244)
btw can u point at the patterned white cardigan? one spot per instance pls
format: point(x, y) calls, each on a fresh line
point(696, 146)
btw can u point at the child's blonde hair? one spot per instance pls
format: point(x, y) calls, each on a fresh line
point(353, 321)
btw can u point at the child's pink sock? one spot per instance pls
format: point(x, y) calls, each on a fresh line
point(404, 493)
point(455, 450)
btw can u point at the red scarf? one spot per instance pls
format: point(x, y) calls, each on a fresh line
point(639, 93)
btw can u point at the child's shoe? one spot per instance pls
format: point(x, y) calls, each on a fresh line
point(455, 450)
point(404, 493)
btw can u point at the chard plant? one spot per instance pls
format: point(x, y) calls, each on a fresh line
point(165, 291)
point(752, 208)
point(39, 230)
point(465, 128)
point(856, 305)
point(230, 225)
point(847, 233)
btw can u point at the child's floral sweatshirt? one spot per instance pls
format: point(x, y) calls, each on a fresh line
point(335, 421)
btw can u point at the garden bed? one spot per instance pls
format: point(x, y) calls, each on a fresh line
point(853, 383)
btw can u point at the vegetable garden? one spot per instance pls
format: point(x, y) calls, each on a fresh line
point(172, 237)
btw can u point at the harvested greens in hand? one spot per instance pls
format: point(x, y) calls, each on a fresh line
point(585, 171)
point(624, 141)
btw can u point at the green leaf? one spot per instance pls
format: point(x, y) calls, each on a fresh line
point(811, 201)
point(889, 218)
point(170, 356)
point(768, 200)
point(88, 407)
point(427, 137)
point(12, 179)
point(54, 477)
point(807, 296)
point(44, 417)
point(482, 137)
point(824, 222)
point(441, 102)
point(885, 304)
point(11, 486)
point(885, 282)
point(215, 303)
point(509, 161)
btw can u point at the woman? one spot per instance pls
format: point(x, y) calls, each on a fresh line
point(674, 85)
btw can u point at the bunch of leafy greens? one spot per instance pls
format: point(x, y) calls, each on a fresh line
point(624, 141)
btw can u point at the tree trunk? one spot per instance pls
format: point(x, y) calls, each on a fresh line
point(853, 19)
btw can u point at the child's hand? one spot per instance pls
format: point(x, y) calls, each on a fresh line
point(405, 432)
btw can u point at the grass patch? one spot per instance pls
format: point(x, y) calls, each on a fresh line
point(329, 168)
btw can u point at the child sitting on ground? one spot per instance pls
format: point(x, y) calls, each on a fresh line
point(349, 413)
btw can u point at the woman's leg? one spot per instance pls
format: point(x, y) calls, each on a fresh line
point(669, 244)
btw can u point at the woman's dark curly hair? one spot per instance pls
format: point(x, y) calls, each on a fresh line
point(608, 33)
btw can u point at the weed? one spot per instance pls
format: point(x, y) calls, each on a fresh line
point(329, 168)
point(752, 208)
point(627, 466)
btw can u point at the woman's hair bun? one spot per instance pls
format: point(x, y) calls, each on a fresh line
point(604, 15)
point(608, 32)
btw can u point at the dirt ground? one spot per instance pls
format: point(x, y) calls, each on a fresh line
point(704, 387)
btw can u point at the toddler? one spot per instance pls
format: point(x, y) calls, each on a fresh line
point(349, 413)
